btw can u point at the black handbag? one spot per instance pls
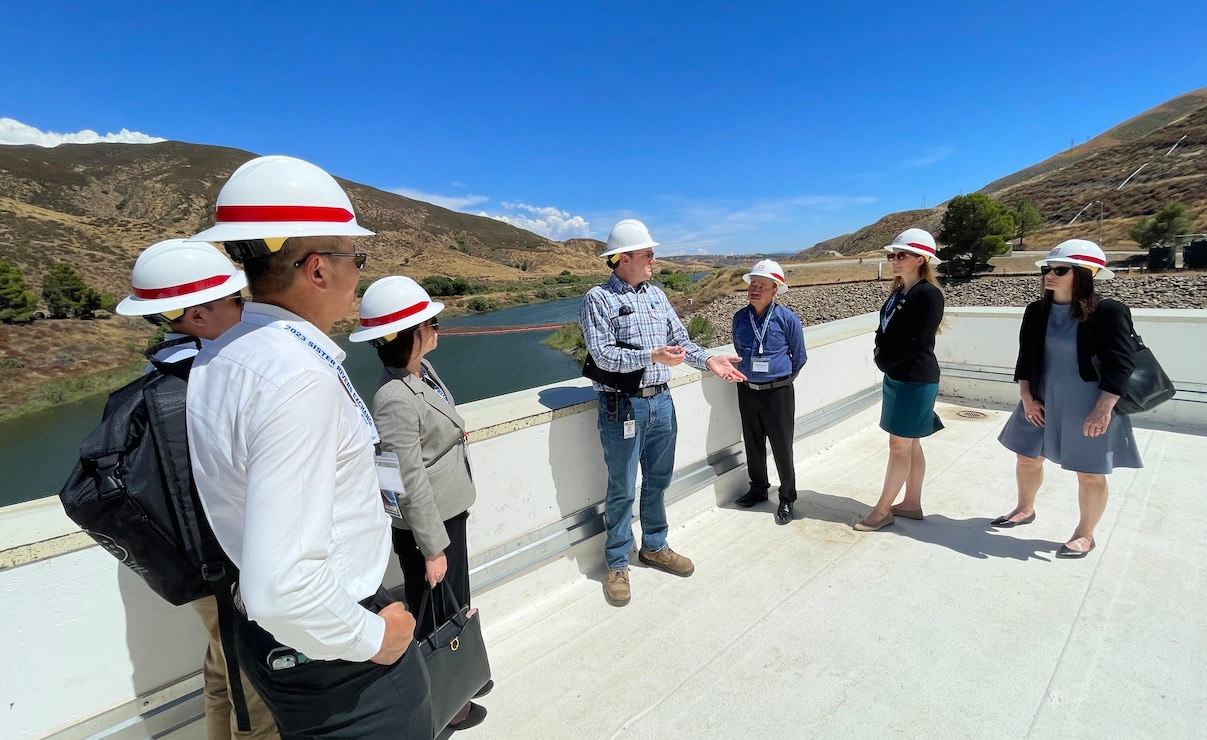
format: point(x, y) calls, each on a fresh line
point(1149, 386)
point(455, 655)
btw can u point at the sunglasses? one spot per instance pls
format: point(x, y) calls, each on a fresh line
point(360, 257)
point(1058, 271)
point(900, 255)
point(383, 341)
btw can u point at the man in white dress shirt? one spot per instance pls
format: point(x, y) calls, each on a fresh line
point(283, 455)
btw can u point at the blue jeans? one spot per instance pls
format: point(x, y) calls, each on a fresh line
point(653, 446)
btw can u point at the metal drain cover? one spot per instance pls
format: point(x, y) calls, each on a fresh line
point(967, 414)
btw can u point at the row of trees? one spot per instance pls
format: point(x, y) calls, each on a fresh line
point(64, 292)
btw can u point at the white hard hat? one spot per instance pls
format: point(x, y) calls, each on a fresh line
point(1082, 253)
point(280, 197)
point(769, 269)
point(918, 241)
point(628, 235)
point(177, 274)
point(393, 304)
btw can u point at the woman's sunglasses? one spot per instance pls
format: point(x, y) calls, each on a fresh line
point(1059, 271)
point(900, 255)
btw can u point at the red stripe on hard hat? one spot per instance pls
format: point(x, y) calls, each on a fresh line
point(267, 214)
point(173, 291)
point(777, 277)
point(396, 316)
point(1088, 258)
point(923, 247)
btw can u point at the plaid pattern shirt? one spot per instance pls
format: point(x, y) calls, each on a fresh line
point(616, 313)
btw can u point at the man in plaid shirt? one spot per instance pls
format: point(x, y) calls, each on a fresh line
point(634, 338)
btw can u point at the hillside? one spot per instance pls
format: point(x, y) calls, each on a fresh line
point(1062, 185)
point(97, 205)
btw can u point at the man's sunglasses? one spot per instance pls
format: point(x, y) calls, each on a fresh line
point(1059, 271)
point(360, 257)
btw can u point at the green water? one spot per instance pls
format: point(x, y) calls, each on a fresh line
point(37, 451)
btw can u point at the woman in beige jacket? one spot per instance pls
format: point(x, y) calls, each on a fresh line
point(417, 420)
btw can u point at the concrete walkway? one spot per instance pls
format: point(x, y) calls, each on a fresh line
point(943, 628)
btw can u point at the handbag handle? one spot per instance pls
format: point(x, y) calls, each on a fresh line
point(428, 605)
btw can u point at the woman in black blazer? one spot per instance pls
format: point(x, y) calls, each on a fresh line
point(905, 351)
point(1074, 361)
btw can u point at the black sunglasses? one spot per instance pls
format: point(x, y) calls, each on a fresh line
point(1060, 271)
point(360, 257)
point(900, 255)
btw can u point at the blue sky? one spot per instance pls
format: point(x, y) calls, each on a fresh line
point(727, 127)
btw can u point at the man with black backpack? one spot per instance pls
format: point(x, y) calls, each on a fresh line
point(193, 290)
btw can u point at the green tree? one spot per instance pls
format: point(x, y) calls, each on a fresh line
point(975, 228)
point(1161, 228)
point(17, 302)
point(1027, 219)
point(67, 295)
point(438, 285)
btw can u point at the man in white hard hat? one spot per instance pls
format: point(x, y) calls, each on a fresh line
point(634, 338)
point(193, 290)
point(283, 454)
point(771, 343)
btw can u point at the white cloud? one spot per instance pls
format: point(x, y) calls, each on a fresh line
point(451, 202)
point(15, 132)
point(547, 221)
point(934, 155)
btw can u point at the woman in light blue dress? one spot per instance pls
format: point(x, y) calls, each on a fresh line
point(1074, 362)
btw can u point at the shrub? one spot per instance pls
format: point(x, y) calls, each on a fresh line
point(17, 302)
point(700, 329)
point(66, 294)
point(569, 339)
point(479, 304)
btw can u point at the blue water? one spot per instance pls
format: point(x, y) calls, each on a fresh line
point(38, 451)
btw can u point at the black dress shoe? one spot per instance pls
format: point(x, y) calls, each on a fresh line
point(486, 689)
point(751, 498)
point(477, 713)
point(783, 514)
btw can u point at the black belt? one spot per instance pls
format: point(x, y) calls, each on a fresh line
point(648, 391)
point(768, 385)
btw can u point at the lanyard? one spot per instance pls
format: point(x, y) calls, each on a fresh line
point(759, 334)
point(298, 334)
point(894, 302)
point(423, 375)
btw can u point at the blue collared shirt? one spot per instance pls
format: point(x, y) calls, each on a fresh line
point(783, 342)
point(616, 313)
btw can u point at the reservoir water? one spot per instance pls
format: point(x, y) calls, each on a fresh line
point(37, 451)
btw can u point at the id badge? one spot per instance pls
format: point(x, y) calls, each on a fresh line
point(630, 429)
point(389, 481)
point(760, 365)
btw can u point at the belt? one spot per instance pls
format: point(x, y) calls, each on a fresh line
point(648, 391)
point(768, 385)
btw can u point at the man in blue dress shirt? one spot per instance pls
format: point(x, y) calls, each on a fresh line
point(771, 343)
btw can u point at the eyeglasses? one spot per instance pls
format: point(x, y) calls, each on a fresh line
point(237, 298)
point(360, 257)
point(892, 256)
point(646, 255)
point(434, 323)
point(1058, 271)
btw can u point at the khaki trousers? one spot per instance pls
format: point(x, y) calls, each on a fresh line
point(219, 713)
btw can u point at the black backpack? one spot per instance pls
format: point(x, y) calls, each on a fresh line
point(132, 491)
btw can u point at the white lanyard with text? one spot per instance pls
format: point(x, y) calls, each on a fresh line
point(758, 335)
point(342, 374)
point(894, 302)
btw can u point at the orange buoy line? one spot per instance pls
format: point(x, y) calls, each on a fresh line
point(469, 330)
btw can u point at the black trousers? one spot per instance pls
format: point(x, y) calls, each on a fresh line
point(769, 415)
point(337, 698)
point(414, 572)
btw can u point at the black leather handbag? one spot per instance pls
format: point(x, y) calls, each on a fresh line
point(455, 655)
point(1149, 386)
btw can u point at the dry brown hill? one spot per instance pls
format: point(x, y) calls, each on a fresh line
point(97, 205)
point(1064, 184)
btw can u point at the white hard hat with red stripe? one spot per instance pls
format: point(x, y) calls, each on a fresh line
point(393, 304)
point(771, 270)
point(918, 241)
point(628, 235)
point(1081, 253)
point(177, 274)
point(276, 197)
